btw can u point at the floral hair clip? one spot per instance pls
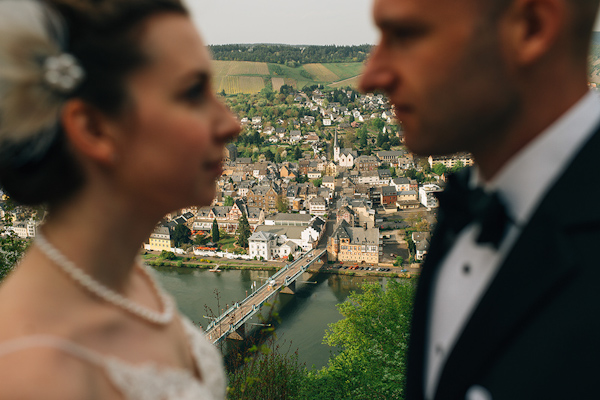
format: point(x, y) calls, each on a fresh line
point(63, 73)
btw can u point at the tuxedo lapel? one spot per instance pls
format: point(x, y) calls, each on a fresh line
point(540, 263)
point(442, 240)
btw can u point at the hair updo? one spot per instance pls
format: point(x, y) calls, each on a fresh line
point(52, 51)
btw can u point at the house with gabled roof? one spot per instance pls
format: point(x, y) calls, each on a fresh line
point(350, 244)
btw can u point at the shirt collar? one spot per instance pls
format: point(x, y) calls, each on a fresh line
point(543, 159)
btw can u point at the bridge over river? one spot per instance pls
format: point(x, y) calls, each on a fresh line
point(231, 322)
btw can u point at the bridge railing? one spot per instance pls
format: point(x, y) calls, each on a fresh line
point(283, 270)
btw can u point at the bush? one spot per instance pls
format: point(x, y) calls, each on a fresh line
point(167, 255)
point(268, 374)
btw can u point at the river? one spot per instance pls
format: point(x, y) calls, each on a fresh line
point(304, 316)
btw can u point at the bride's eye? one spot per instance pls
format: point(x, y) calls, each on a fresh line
point(197, 92)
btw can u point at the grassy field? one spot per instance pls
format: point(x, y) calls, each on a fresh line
point(345, 70)
point(277, 83)
point(321, 73)
point(352, 82)
point(249, 77)
point(241, 84)
point(248, 68)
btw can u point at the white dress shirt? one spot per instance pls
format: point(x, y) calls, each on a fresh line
point(469, 267)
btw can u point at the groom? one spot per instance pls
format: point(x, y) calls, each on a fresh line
point(508, 304)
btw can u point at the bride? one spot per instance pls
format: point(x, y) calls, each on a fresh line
point(107, 116)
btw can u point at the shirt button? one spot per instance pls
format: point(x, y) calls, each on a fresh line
point(467, 269)
point(439, 350)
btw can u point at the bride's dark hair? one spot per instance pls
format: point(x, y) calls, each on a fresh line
point(103, 39)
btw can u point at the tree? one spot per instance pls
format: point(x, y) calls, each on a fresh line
point(269, 156)
point(412, 248)
point(439, 169)
point(380, 139)
point(458, 166)
point(290, 257)
point(349, 140)
point(228, 201)
point(181, 235)
point(302, 178)
point(373, 340)
point(12, 248)
point(399, 261)
point(243, 231)
point(362, 140)
point(215, 231)
point(297, 153)
point(378, 124)
point(317, 182)
point(200, 240)
point(424, 165)
point(282, 204)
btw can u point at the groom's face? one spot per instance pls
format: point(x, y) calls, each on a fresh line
point(440, 63)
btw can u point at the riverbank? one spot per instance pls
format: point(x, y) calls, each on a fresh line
point(220, 264)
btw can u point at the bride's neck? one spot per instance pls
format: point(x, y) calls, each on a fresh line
point(102, 236)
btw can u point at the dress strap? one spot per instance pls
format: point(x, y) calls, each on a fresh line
point(33, 341)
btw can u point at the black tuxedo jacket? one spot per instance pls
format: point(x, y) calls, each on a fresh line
point(536, 332)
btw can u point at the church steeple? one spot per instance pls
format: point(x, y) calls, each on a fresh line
point(335, 143)
point(336, 148)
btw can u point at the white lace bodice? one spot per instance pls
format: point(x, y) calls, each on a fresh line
point(147, 381)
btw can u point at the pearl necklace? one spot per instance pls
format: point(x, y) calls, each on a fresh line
point(105, 293)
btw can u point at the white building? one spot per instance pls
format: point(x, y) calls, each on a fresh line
point(369, 178)
point(25, 230)
point(317, 206)
point(261, 245)
point(427, 195)
point(269, 246)
point(402, 184)
point(296, 238)
point(347, 157)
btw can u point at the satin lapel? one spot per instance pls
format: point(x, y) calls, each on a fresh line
point(541, 262)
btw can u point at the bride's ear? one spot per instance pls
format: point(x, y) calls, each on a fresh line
point(89, 131)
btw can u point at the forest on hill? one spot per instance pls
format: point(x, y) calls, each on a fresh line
point(291, 56)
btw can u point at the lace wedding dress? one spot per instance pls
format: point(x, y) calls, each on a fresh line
point(147, 381)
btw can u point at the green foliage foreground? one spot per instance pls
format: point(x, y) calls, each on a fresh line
point(371, 340)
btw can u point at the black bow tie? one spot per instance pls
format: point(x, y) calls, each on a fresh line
point(462, 205)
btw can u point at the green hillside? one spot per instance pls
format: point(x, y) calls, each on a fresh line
point(251, 77)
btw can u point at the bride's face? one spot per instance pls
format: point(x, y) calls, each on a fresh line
point(173, 143)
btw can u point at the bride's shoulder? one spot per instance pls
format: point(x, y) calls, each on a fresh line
point(46, 372)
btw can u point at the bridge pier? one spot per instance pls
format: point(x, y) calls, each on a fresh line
point(239, 334)
point(289, 289)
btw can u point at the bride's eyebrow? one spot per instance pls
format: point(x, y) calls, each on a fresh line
point(195, 77)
